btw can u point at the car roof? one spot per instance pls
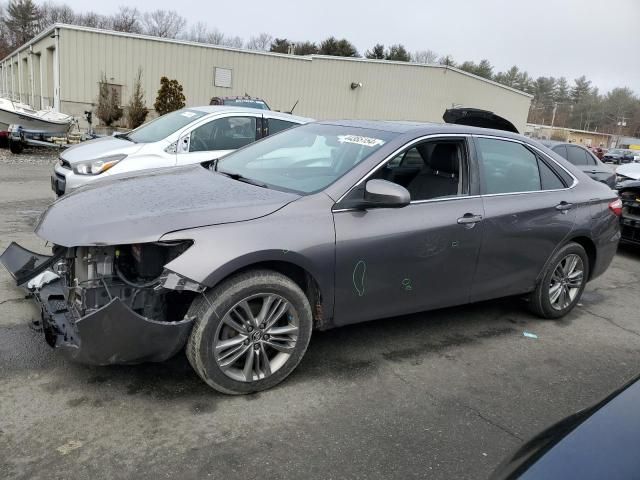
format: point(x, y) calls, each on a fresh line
point(553, 143)
point(423, 128)
point(265, 113)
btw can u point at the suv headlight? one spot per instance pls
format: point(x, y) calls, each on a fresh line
point(98, 166)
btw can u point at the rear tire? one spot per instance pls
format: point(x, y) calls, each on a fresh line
point(562, 282)
point(250, 332)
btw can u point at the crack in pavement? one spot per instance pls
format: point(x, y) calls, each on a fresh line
point(19, 299)
point(612, 322)
point(468, 407)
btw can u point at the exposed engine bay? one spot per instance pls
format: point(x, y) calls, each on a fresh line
point(107, 305)
point(93, 276)
point(630, 219)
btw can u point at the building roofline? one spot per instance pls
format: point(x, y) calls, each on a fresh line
point(307, 58)
point(576, 130)
point(427, 65)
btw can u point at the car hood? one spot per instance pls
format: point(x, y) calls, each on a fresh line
point(99, 147)
point(143, 207)
point(630, 170)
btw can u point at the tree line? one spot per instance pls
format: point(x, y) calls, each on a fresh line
point(574, 104)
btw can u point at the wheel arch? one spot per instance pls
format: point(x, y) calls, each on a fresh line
point(320, 296)
point(589, 247)
point(582, 240)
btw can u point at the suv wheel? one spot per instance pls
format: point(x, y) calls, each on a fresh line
point(562, 283)
point(251, 332)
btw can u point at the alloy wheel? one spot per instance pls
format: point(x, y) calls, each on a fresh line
point(566, 281)
point(256, 337)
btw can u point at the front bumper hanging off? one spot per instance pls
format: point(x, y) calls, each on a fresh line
point(113, 334)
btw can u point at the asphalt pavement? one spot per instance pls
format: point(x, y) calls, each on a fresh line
point(438, 395)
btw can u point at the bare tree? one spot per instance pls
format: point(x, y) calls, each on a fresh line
point(235, 42)
point(260, 42)
point(94, 20)
point(215, 37)
point(424, 56)
point(163, 23)
point(127, 20)
point(198, 33)
point(51, 13)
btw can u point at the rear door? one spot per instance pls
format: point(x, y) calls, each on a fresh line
point(217, 138)
point(528, 211)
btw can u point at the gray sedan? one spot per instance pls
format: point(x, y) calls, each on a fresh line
point(322, 225)
point(585, 161)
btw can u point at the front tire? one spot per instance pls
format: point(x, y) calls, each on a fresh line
point(250, 332)
point(562, 283)
point(15, 146)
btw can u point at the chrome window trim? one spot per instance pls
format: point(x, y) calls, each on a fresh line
point(458, 135)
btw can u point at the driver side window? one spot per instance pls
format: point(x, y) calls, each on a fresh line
point(229, 133)
point(429, 170)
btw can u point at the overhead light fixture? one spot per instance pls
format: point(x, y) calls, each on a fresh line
point(355, 85)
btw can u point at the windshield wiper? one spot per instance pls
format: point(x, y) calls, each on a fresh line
point(241, 178)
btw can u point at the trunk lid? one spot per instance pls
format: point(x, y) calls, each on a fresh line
point(475, 117)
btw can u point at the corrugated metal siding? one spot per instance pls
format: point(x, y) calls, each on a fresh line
point(392, 91)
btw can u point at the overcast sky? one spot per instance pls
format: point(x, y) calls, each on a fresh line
point(597, 38)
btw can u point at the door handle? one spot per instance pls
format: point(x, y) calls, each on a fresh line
point(564, 206)
point(469, 219)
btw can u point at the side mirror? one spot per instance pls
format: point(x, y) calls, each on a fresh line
point(183, 144)
point(385, 194)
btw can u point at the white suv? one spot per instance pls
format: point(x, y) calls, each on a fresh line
point(190, 135)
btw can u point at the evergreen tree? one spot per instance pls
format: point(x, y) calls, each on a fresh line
point(377, 52)
point(170, 97)
point(397, 53)
point(137, 110)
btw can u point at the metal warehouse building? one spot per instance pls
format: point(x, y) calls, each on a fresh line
point(62, 66)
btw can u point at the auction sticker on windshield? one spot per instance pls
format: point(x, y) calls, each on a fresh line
point(188, 114)
point(357, 139)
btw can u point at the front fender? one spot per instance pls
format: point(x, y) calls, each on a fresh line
point(301, 233)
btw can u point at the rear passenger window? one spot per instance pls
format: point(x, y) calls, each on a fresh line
point(507, 167)
point(277, 125)
point(577, 156)
point(548, 177)
point(561, 150)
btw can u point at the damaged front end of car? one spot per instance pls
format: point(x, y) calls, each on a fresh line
point(629, 192)
point(105, 305)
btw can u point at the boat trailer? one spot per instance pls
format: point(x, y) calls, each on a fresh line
point(20, 137)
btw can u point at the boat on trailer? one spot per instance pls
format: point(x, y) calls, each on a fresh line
point(46, 121)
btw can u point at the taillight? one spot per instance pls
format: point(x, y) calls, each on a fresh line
point(616, 207)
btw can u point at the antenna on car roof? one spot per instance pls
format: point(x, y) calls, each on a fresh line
point(294, 106)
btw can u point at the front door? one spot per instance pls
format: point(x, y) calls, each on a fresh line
point(422, 256)
point(528, 211)
point(217, 138)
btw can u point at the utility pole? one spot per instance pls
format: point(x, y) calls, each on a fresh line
point(553, 117)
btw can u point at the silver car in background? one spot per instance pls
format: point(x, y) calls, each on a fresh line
point(190, 135)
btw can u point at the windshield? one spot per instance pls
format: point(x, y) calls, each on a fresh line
point(163, 126)
point(304, 159)
point(240, 102)
point(616, 151)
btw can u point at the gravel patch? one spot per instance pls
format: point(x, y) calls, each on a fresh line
point(33, 156)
